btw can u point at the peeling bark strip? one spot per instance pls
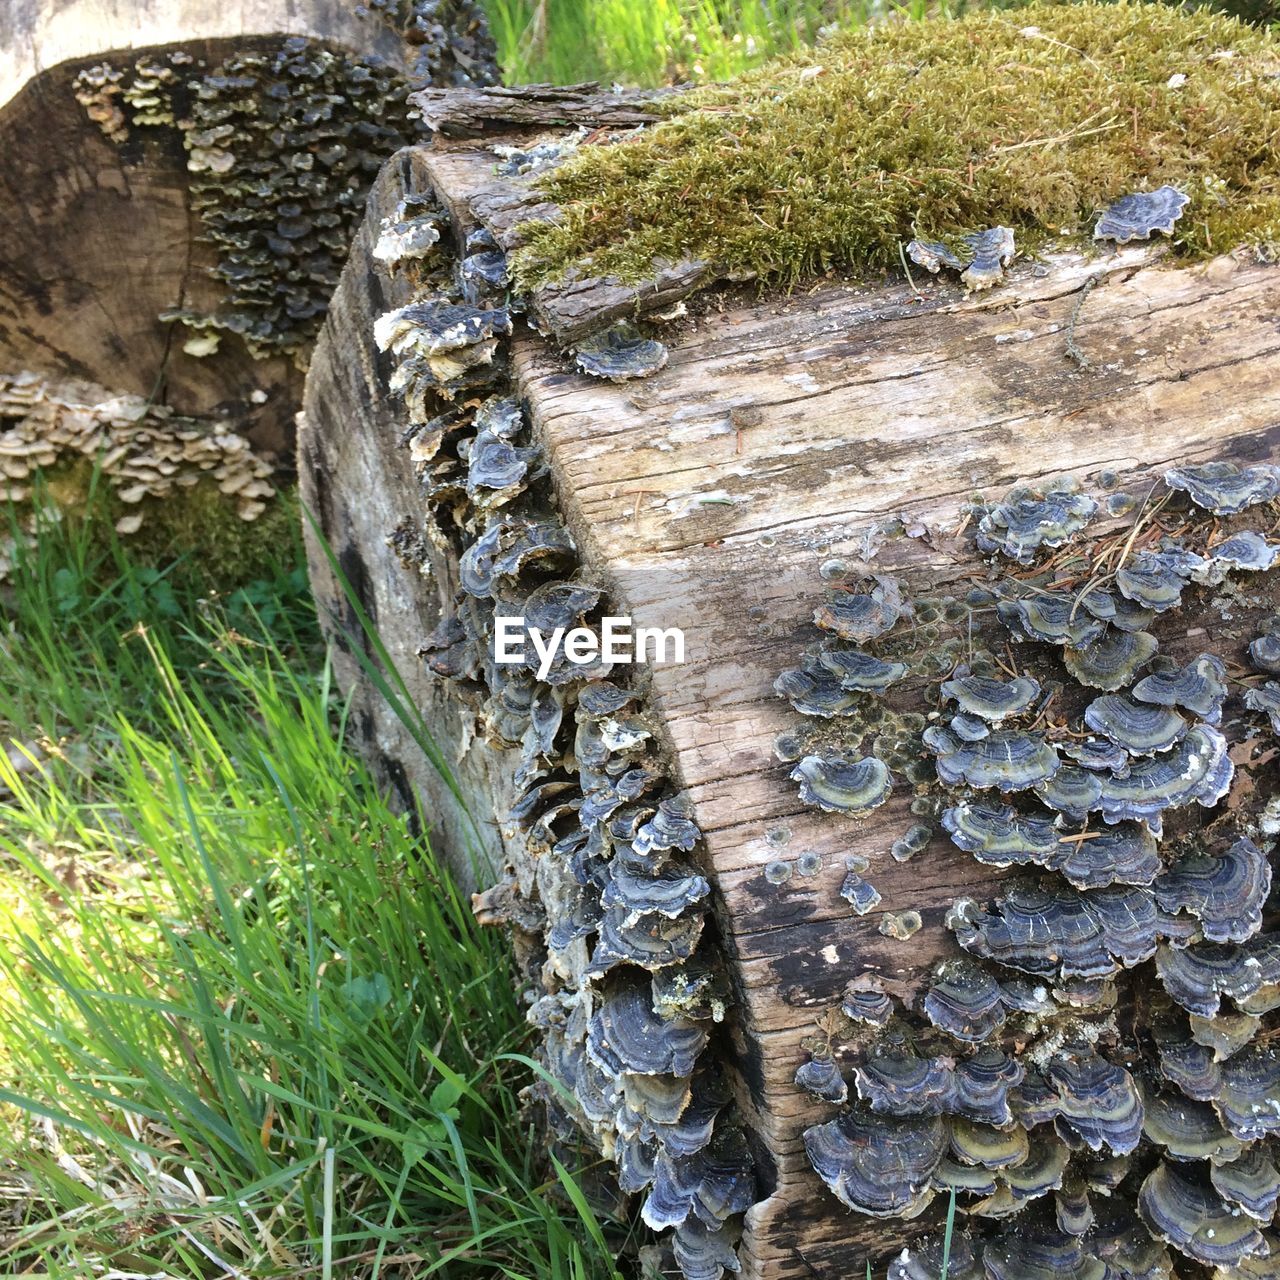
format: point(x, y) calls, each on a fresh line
point(472, 112)
point(785, 453)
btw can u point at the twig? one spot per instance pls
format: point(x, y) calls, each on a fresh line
point(902, 255)
point(1073, 351)
point(1081, 836)
point(1061, 137)
point(1097, 579)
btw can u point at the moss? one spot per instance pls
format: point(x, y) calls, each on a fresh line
point(1033, 118)
point(224, 551)
point(199, 528)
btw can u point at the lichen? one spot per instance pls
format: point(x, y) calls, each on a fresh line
point(834, 158)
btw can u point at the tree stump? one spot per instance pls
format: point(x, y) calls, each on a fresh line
point(834, 450)
point(157, 237)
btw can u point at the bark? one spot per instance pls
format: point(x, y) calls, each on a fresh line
point(468, 113)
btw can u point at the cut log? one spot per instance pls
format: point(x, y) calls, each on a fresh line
point(103, 128)
point(792, 449)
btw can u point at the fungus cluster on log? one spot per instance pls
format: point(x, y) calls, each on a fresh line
point(1049, 1073)
point(227, 149)
point(629, 986)
point(176, 216)
point(282, 145)
point(145, 453)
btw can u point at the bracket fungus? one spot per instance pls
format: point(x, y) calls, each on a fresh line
point(933, 255)
point(911, 842)
point(1199, 976)
point(1264, 653)
point(1199, 687)
point(1223, 488)
point(965, 1002)
point(1056, 931)
point(1196, 1220)
point(861, 672)
point(620, 354)
point(981, 260)
point(1225, 1034)
point(1156, 579)
point(1112, 661)
point(1266, 699)
point(1142, 729)
point(969, 728)
point(901, 926)
point(844, 786)
point(815, 690)
point(1002, 836)
point(1187, 1130)
point(1250, 1181)
point(702, 1252)
point(1246, 550)
point(1098, 1103)
point(1006, 759)
point(865, 1000)
point(860, 894)
point(146, 455)
point(1138, 216)
point(879, 1165)
point(283, 141)
point(1197, 770)
point(709, 1185)
point(1053, 619)
point(929, 1258)
point(988, 1146)
point(821, 1077)
point(862, 617)
point(990, 700)
point(1025, 521)
point(1226, 894)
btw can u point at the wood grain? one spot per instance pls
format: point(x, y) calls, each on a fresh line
point(468, 113)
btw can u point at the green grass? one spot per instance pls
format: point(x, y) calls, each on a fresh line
point(70, 618)
point(655, 42)
point(834, 158)
point(672, 41)
point(246, 1019)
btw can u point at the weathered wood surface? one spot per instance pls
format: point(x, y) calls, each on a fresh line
point(570, 308)
point(466, 113)
point(864, 407)
point(355, 481)
point(708, 496)
point(98, 238)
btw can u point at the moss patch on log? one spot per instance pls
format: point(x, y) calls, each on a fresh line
point(1033, 119)
point(197, 536)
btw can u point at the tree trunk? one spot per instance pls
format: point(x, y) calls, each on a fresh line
point(102, 242)
point(792, 444)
